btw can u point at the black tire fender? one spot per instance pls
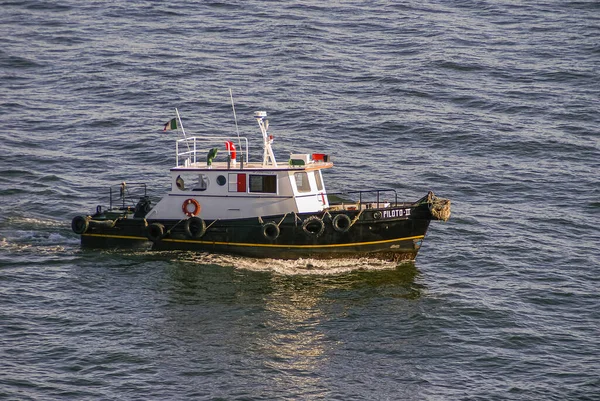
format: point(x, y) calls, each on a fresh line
point(341, 223)
point(194, 227)
point(80, 225)
point(155, 232)
point(313, 226)
point(270, 231)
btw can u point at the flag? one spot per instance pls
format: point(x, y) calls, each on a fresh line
point(170, 125)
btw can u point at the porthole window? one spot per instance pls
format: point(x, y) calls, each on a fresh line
point(221, 180)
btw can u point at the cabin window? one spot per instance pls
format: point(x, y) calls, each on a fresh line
point(319, 180)
point(180, 183)
point(185, 182)
point(221, 180)
point(237, 182)
point(263, 183)
point(202, 183)
point(302, 182)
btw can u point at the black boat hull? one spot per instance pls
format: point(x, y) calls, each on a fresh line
point(393, 233)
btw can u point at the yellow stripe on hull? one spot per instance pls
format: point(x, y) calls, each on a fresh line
point(260, 245)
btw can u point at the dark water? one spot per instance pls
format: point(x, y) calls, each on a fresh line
point(491, 104)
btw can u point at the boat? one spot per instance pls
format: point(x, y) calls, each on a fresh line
point(225, 200)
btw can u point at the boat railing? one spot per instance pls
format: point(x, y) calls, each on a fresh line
point(193, 149)
point(125, 196)
point(370, 198)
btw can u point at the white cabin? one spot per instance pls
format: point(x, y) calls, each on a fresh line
point(205, 185)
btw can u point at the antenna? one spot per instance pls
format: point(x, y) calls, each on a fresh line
point(236, 128)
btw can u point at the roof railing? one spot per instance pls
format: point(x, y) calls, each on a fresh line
point(193, 149)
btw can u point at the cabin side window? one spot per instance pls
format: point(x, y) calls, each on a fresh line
point(319, 180)
point(202, 183)
point(186, 182)
point(263, 183)
point(180, 183)
point(302, 182)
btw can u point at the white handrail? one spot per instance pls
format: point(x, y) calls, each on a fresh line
point(191, 153)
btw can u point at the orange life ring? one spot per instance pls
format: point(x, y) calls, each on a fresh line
point(188, 202)
point(230, 146)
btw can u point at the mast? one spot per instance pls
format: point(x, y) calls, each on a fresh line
point(186, 140)
point(236, 129)
point(267, 139)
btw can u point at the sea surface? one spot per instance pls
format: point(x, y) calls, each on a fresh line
point(492, 104)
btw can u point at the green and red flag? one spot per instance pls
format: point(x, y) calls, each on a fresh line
point(170, 125)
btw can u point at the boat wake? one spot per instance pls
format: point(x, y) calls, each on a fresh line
point(293, 267)
point(16, 247)
point(41, 236)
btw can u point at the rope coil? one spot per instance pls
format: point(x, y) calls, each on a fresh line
point(439, 207)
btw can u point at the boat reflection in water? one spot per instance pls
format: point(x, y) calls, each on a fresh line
point(281, 314)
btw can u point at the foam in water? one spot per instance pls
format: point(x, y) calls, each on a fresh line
point(36, 235)
point(293, 267)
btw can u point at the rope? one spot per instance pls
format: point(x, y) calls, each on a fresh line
point(296, 219)
point(175, 225)
point(213, 222)
point(357, 217)
point(439, 207)
point(281, 221)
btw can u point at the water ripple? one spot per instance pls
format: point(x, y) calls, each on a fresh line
point(492, 105)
